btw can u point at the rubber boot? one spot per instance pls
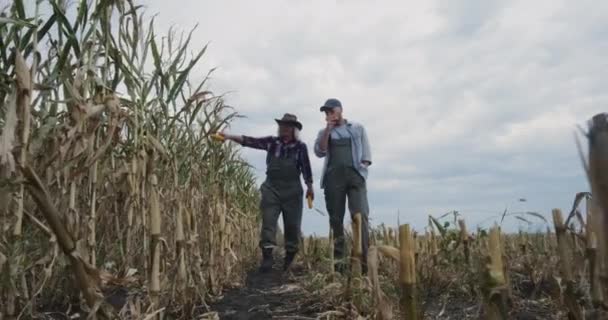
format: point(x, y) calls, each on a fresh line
point(267, 261)
point(340, 267)
point(289, 257)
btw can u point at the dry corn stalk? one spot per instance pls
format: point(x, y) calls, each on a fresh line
point(82, 272)
point(597, 173)
point(155, 231)
point(77, 125)
point(93, 215)
point(390, 252)
point(494, 288)
point(24, 95)
point(385, 311)
point(407, 273)
point(434, 249)
point(566, 264)
point(385, 236)
point(464, 238)
point(357, 251)
point(591, 253)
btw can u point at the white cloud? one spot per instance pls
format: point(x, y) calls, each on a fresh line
point(469, 105)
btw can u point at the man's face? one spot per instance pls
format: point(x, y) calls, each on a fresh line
point(285, 132)
point(334, 114)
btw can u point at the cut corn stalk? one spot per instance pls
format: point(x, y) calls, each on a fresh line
point(494, 288)
point(566, 264)
point(591, 255)
point(357, 252)
point(385, 311)
point(407, 273)
point(597, 173)
point(464, 238)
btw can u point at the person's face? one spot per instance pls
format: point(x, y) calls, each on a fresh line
point(334, 114)
point(285, 132)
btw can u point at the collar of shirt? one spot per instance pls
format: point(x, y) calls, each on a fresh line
point(280, 146)
point(280, 142)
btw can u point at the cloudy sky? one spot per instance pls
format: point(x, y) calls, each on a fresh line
point(470, 105)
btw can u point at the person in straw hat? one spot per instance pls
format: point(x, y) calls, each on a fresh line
point(282, 192)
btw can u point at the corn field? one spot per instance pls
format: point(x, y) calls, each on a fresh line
point(116, 203)
point(108, 177)
point(451, 273)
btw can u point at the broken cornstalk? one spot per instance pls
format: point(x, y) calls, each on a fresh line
point(407, 272)
point(464, 238)
point(566, 263)
point(494, 288)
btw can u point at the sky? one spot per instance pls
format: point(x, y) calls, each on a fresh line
point(469, 105)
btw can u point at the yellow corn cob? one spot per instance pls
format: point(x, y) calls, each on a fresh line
point(218, 137)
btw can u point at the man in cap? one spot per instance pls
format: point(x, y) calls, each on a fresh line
point(286, 158)
point(346, 150)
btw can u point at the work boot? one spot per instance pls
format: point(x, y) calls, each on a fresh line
point(340, 267)
point(267, 260)
point(289, 257)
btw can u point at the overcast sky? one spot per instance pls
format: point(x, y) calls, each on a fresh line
point(469, 105)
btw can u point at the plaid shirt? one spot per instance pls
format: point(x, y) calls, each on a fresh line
point(274, 145)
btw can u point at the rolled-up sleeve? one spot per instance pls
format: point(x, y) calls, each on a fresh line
point(318, 152)
point(366, 149)
point(257, 143)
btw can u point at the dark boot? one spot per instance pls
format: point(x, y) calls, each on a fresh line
point(267, 261)
point(340, 267)
point(289, 257)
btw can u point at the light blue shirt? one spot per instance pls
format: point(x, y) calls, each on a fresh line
point(359, 142)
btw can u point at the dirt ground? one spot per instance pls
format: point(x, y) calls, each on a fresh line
point(279, 295)
point(274, 295)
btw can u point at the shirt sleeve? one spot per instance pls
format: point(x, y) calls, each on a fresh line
point(318, 152)
point(367, 152)
point(258, 143)
point(305, 164)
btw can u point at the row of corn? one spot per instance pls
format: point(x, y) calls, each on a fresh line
point(109, 181)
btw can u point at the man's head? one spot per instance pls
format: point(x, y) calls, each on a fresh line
point(289, 127)
point(333, 110)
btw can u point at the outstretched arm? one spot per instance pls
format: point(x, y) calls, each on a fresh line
point(236, 138)
point(251, 142)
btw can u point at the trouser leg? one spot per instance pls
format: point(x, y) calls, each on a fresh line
point(270, 207)
point(357, 203)
point(292, 221)
point(335, 201)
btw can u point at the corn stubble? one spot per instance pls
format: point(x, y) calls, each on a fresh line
point(596, 168)
point(108, 177)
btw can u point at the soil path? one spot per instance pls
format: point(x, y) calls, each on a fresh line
point(274, 295)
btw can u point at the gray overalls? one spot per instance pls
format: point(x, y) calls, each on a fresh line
point(341, 181)
point(281, 192)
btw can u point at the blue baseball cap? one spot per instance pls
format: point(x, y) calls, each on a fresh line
point(330, 104)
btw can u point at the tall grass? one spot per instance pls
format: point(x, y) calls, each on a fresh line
point(105, 155)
